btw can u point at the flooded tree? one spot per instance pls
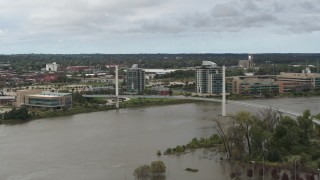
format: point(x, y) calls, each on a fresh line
point(143, 172)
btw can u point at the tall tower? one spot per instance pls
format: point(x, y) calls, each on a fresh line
point(250, 61)
point(209, 78)
point(135, 80)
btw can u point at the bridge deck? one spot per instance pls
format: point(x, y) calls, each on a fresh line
point(315, 121)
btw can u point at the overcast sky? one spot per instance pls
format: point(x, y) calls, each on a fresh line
point(159, 26)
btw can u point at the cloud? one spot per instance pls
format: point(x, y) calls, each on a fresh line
point(89, 20)
point(225, 10)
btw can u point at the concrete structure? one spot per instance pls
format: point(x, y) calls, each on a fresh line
point(209, 78)
point(135, 80)
point(223, 91)
point(299, 82)
point(49, 100)
point(247, 63)
point(52, 67)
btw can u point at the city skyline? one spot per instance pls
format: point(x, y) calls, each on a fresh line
point(149, 26)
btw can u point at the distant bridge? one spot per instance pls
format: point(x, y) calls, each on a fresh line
point(315, 121)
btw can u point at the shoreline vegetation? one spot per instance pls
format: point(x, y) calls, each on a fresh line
point(281, 144)
point(195, 143)
point(85, 105)
point(88, 105)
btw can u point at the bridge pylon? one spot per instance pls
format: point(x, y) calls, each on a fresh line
point(117, 86)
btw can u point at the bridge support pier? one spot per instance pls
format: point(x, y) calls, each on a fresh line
point(223, 91)
point(117, 87)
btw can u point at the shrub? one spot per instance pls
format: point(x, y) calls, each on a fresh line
point(273, 155)
point(168, 151)
point(158, 167)
point(142, 172)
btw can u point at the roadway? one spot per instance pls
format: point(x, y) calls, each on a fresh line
point(315, 121)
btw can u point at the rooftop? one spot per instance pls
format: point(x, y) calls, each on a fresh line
point(209, 63)
point(54, 94)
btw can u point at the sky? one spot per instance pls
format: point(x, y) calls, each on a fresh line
point(159, 26)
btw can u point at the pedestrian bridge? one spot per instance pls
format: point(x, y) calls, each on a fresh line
point(315, 121)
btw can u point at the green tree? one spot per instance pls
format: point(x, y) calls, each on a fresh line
point(305, 125)
point(245, 121)
point(286, 137)
point(17, 114)
point(259, 137)
point(78, 98)
point(317, 128)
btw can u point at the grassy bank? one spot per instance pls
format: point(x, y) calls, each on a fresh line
point(153, 102)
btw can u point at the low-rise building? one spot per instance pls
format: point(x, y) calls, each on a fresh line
point(49, 100)
point(258, 84)
point(285, 82)
point(7, 100)
point(298, 82)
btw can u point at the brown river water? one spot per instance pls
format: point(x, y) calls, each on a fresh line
point(110, 145)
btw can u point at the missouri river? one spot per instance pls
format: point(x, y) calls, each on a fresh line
point(110, 145)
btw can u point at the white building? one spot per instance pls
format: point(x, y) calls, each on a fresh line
point(209, 78)
point(52, 67)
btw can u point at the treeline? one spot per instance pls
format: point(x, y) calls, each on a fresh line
point(20, 114)
point(24, 62)
point(179, 74)
point(271, 136)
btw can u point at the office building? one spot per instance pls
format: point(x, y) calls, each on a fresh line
point(299, 82)
point(48, 100)
point(253, 85)
point(135, 80)
point(21, 96)
point(209, 78)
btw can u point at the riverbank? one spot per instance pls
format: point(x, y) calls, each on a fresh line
point(88, 108)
